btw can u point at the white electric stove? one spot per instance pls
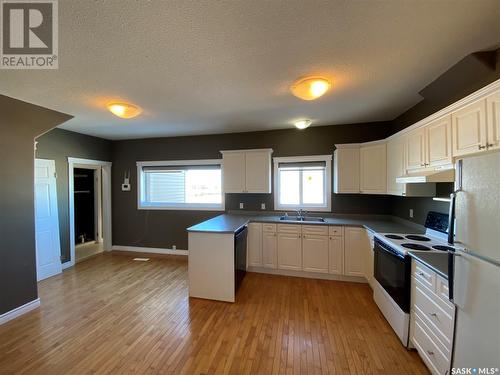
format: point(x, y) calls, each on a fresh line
point(392, 269)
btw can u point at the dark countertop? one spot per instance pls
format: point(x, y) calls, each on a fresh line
point(438, 262)
point(231, 222)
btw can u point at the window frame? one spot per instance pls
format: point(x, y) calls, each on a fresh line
point(141, 205)
point(300, 159)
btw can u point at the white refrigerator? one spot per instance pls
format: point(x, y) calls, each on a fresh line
point(475, 283)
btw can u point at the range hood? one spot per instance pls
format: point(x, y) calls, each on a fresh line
point(438, 175)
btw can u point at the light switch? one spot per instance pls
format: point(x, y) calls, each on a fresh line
point(262, 206)
point(411, 212)
point(241, 206)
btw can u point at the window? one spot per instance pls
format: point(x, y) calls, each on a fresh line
point(302, 183)
point(182, 185)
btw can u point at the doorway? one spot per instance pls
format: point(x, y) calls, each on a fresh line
point(88, 212)
point(89, 208)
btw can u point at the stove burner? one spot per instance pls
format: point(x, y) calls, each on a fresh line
point(415, 246)
point(415, 237)
point(394, 237)
point(443, 248)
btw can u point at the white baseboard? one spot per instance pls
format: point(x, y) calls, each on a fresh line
point(18, 311)
point(309, 275)
point(153, 250)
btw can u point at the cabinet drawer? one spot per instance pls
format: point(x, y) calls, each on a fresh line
point(425, 275)
point(336, 230)
point(289, 228)
point(269, 228)
point(439, 320)
point(320, 230)
point(428, 350)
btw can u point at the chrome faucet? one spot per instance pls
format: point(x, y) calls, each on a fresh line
point(301, 214)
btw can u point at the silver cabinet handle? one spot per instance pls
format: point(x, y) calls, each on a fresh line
point(434, 315)
point(490, 145)
point(430, 352)
point(421, 274)
point(481, 147)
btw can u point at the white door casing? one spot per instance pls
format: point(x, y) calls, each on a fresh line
point(105, 168)
point(48, 247)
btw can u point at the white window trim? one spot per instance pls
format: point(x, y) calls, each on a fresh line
point(297, 159)
point(169, 206)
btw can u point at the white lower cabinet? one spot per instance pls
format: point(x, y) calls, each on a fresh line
point(355, 251)
point(336, 255)
point(269, 250)
point(289, 247)
point(432, 318)
point(333, 249)
point(254, 245)
point(315, 253)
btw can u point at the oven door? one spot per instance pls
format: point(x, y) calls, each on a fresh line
point(393, 272)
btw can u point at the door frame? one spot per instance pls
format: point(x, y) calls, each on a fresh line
point(52, 165)
point(105, 168)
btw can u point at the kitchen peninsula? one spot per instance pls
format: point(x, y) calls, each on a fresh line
point(339, 247)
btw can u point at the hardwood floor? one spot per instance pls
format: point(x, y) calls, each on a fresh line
point(113, 315)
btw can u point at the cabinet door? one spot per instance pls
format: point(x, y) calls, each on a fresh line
point(346, 170)
point(438, 137)
point(415, 150)
point(469, 129)
point(234, 172)
point(289, 251)
point(315, 253)
point(254, 244)
point(395, 165)
point(258, 172)
point(354, 252)
point(336, 252)
point(493, 103)
point(373, 169)
point(269, 250)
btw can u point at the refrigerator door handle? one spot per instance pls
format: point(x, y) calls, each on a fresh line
point(451, 275)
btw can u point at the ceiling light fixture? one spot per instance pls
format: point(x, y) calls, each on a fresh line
point(310, 88)
point(302, 124)
point(124, 110)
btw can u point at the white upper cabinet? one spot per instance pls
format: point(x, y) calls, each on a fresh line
point(373, 168)
point(395, 165)
point(493, 118)
point(469, 129)
point(415, 150)
point(346, 169)
point(438, 142)
point(247, 171)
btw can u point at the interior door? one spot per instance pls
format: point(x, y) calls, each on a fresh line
point(48, 249)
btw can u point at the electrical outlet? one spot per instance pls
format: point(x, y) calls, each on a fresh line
point(262, 206)
point(174, 247)
point(241, 206)
point(411, 212)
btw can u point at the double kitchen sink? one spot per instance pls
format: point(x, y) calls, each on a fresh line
point(302, 219)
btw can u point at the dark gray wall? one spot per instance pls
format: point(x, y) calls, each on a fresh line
point(59, 144)
point(468, 75)
point(164, 228)
point(20, 123)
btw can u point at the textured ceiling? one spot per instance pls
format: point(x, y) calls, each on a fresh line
point(199, 67)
